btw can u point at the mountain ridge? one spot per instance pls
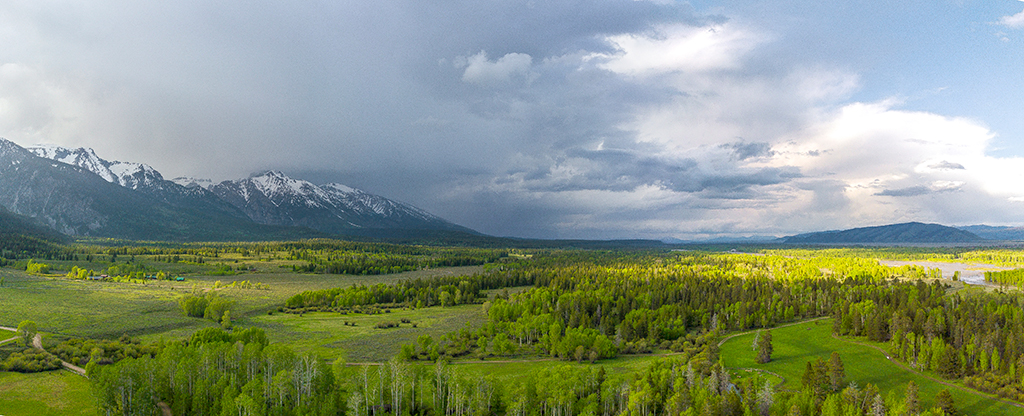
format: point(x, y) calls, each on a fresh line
point(910, 232)
point(77, 202)
point(270, 198)
point(1005, 233)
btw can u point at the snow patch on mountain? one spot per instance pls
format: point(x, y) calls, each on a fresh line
point(273, 197)
point(8, 147)
point(82, 157)
point(127, 174)
point(337, 187)
point(270, 197)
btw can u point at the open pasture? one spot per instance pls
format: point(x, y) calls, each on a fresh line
point(327, 335)
point(795, 345)
point(56, 393)
point(102, 309)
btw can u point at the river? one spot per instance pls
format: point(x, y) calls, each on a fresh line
point(970, 273)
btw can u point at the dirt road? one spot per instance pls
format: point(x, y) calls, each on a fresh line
point(37, 342)
point(8, 339)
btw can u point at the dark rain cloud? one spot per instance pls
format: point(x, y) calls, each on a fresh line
point(909, 191)
point(947, 165)
point(623, 170)
point(746, 150)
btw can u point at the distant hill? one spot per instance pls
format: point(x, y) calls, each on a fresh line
point(20, 237)
point(11, 223)
point(911, 232)
point(724, 240)
point(996, 233)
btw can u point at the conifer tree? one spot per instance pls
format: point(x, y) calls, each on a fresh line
point(764, 347)
point(836, 371)
point(912, 406)
point(944, 401)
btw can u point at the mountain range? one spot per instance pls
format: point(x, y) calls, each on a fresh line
point(906, 233)
point(78, 193)
point(990, 232)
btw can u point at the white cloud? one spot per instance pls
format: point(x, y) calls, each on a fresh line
point(1014, 21)
point(898, 165)
point(678, 48)
point(479, 70)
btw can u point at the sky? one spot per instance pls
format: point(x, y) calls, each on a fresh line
point(551, 119)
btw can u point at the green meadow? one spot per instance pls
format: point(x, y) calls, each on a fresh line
point(101, 309)
point(56, 393)
point(5, 334)
point(795, 345)
point(328, 335)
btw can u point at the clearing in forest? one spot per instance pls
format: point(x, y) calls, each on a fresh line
point(795, 345)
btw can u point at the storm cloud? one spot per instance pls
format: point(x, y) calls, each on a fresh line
point(911, 191)
point(610, 119)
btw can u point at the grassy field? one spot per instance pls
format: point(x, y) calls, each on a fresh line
point(794, 346)
point(107, 309)
point(64, 307)
point(55, 393)
point(327, 335)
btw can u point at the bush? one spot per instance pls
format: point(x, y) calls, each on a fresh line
point(37, 268)
point(30, 361)
point(193, 306)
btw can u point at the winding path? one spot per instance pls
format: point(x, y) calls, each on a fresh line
point(8, 339)
point(37, 342)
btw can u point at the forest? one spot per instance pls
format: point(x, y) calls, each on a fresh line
point(569, 318)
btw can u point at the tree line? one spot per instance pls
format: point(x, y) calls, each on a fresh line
point(420, 292)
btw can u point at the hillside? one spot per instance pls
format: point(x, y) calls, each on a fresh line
point(274, 198)
point(13, 224)
point(996, 233)
point(271, 199)
point(77, 202)
point(906, 233)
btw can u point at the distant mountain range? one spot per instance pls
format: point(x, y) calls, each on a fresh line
point(77, 193)
point(995, 232)
point(274, 198)
point(906, 233)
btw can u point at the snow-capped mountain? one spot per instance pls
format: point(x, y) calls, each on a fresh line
point(140, 177)
point(74, 200)
point(127, 174)
point(270, 198)
point(274, 198)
